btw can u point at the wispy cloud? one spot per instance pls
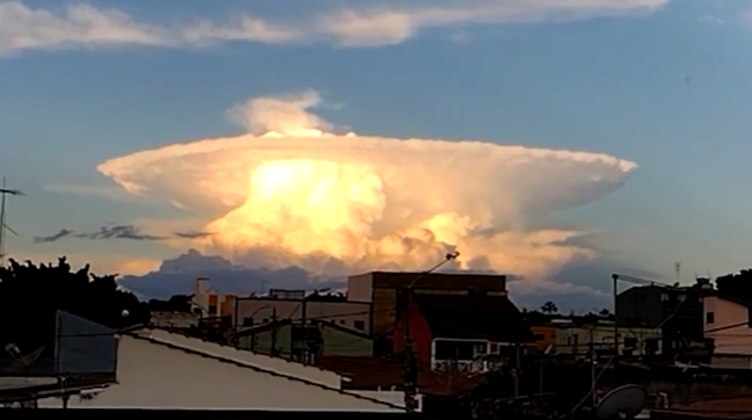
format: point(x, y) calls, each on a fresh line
point(193, 235)
point(116, 231)
point(711, 19)
point(120, 232)
point(26, 28)
point(53, 238)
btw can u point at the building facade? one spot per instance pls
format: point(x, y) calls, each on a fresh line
point(578, 340)
point(253, 311)
point(382, 291)
point(307, 343)
point(470, 333)
point(207, 303)
point(677, 311)
point(727, 324)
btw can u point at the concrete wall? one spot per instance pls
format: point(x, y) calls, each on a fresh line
point(156, 376)
point(360, 288)
point(174, 319)
point(346, 314)
point(736, 340)
point(336, 342)
point(545, 335)
point(575, 340)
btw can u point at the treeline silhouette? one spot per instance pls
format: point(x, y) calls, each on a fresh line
point(738, 285)
point(31, 294)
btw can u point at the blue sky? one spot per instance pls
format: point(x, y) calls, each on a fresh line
point(666, 87)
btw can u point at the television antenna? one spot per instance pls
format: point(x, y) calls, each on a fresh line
point(624, 402)
point(4, 192)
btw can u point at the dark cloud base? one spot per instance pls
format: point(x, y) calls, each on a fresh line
point(178, 276)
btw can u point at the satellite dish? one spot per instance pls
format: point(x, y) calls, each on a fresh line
point(624, 402)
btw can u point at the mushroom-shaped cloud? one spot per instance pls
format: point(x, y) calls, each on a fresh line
point(293, 191)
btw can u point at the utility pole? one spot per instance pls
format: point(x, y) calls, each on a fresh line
point(4, 191)
point(274, 331)
point(592, 367)
point(517, 370)
point(304, 326)
point(410, 374)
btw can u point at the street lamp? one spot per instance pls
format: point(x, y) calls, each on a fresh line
point(411, 373)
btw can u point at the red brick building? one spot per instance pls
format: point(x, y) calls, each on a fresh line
point(465, 333)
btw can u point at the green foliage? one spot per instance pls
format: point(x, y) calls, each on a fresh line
point(30, 295)
point(738, 285)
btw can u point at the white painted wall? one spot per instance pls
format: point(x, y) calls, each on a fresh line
point(155, 376)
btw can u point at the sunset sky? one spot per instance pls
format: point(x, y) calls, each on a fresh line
point(652, 97)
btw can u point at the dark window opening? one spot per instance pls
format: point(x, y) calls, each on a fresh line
point(248, 321)
point(213, 309)
point(709, 317)
point(360, 325)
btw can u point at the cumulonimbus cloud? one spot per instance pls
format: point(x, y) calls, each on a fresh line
point(334, 203)
point(26, 28)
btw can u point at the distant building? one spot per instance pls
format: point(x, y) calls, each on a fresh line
point(465, 333)
point(157, 369)
point(728, 324)
point(544, 337)
point(382, 291)
point(677, 311)
point(305, 343)
point(576, 339)
point(180, 320)
point(254, 311)
point(209, 304)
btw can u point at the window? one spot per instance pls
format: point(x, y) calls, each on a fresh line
point(360, 325)
point(682, 297)
point(248, 321)
point(664, 297)
point(213, 309)
point(709, 317)
point(265, 320)
point(342, 322)
point(495, 348)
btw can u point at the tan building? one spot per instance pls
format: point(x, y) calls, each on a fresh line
point(381, 290)
point(210, 304)
point(253, 311)
point(727, 323)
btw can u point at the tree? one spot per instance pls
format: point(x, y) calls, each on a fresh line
point(30, 295)
point(738, 285)
point(549, 308)
point(176, 303)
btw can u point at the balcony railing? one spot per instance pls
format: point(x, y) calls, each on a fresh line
point(460, 366)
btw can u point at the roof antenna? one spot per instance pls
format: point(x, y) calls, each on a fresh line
point(677, 267)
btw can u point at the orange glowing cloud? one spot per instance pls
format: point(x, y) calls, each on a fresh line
point(293, 191)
